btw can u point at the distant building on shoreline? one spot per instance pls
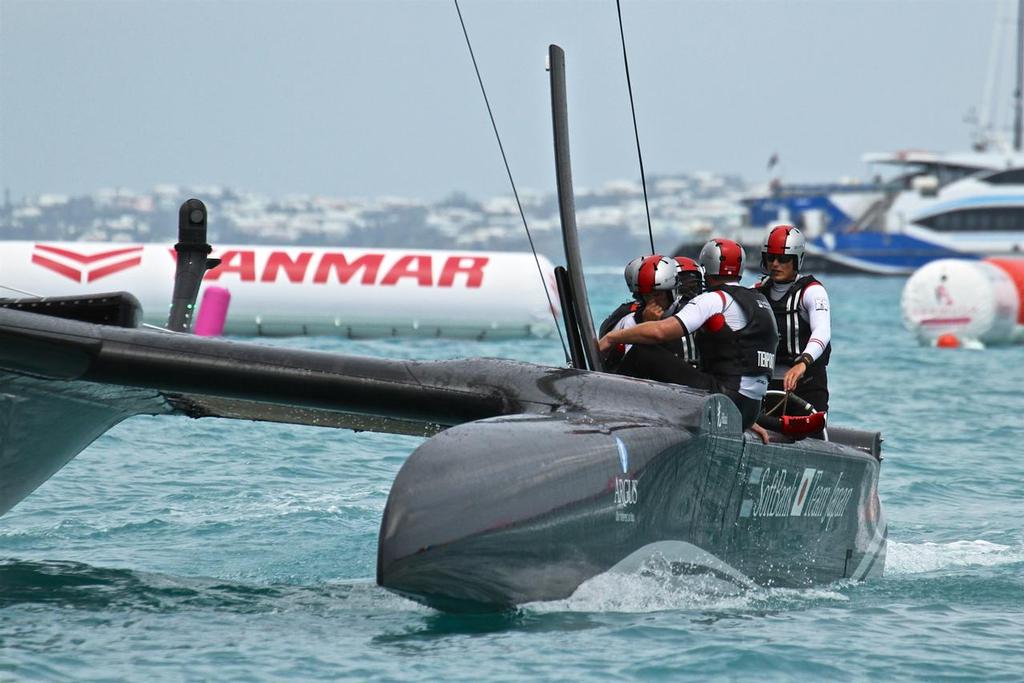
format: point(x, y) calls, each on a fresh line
point(612, 219)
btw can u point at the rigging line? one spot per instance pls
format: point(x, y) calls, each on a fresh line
point(636, 133)
point(21, 291)
point(515, 193)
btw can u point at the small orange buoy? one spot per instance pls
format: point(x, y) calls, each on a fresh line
point(947, 341)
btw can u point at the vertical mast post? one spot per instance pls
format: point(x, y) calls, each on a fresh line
point(567, 205)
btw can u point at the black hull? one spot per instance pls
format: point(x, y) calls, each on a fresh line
point(477, 522)
point(535, 478)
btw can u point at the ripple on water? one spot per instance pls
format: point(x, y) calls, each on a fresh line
point(217, 550)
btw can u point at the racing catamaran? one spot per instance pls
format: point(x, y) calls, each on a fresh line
point(533, 480)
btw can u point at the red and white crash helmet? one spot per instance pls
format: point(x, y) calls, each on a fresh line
point(722, 257)
point(687, 265)
point(655, 273)
point(782, 239)
point(690, 279)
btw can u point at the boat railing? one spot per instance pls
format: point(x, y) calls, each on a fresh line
point(802, 189)
point(874, 218)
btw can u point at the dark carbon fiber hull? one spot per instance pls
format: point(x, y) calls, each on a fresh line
point(535, 479)
point(484, 517)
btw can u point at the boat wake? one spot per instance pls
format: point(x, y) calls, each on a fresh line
point(920, 558)
point(657, 584)
point(635, 593)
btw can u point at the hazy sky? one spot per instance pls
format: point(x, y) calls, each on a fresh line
point(360, 99)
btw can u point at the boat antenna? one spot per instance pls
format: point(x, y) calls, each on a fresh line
point(1017, 103)
point(193, 262)
point(515, 193)
point(636, 133)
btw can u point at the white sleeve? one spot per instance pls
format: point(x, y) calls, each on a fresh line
point(815, 306)
point(625, 322)
point(701, 307)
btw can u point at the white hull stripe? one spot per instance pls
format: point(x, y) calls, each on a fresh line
point(874, 548)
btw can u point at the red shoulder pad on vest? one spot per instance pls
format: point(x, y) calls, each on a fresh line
point(714, 323)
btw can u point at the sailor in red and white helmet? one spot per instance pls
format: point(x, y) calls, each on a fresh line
point(689, 283)
point(801, 307)
point(735, 332)
point(652, 280)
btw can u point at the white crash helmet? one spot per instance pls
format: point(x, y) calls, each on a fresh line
point(655, 273)
point(782, 239)
point(722, 257)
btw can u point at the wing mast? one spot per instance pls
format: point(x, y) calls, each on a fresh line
point(567, 211)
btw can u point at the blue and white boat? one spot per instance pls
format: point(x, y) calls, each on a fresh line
point(959, 205)
point(935, 205)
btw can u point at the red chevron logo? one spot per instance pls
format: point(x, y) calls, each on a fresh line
point(83, 268)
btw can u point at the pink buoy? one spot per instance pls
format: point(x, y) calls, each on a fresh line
point(213, 311)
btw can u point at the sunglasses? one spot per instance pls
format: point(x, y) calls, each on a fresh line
point(781, 258)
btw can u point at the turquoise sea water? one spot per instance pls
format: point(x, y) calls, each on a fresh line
point(176, 549)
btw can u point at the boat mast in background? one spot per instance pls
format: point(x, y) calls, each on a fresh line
point(991, 132)
point(1020, 76)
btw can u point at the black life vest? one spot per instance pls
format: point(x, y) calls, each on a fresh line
point(749, 351)
point(794, 331)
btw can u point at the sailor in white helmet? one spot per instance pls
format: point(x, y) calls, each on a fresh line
point(735, 332)
point(801, 307)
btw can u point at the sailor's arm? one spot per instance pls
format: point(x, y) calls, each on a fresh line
point(654, 332)
point(691, 317)
point(815, 304)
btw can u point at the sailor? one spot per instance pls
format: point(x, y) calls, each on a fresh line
point(652, 280)
point(736, 335)
point(689, 283)
point(801, 308)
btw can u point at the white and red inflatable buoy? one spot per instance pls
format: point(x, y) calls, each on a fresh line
point(952, 302)
point(280, 291)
